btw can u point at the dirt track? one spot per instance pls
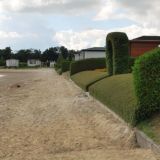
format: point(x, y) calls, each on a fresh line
point(47, 118)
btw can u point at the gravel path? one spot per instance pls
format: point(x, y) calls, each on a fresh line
point(46, 117)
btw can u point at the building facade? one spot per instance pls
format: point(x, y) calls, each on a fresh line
point(143, 44)
point(95, 52)
point(33, 63)
point(12, 63)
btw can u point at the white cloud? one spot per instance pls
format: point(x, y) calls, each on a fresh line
point(95, 37)
point(4, 18)
point(108, 11)
point(16, 35)
point(79, 40)
point(4, 35)
point(50, 6)
point(144, 12)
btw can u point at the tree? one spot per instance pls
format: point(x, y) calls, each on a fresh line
point(64, 52)
point(71, 54)
point(6, 53)
point(49, 55)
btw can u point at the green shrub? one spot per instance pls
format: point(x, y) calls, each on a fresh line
point(131, 64)
point(23, 65)
point(117, 93)
point(117, 53)
point(2, 62)
point(59, 62)
point(65, 66)
point(146, 73)
point(87, 64)
point(59, 71)
point(86, 78)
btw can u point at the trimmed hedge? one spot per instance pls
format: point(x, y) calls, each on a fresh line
point(131, 64)
point(85, 79)
point(65, 66)
point(23, 65)
point(117, 93)
point(87, 64)
point(59, 62)
point(2, 62)
point(146, 73)
point(117, 53)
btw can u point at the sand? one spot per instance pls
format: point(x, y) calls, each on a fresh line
point(44, 116)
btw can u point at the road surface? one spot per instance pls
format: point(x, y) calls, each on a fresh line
point(44, 116)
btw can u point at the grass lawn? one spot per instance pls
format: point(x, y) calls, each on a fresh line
point(151, 127)
point(117, 93)
point(86, 78)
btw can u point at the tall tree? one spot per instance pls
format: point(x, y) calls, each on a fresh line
point(7, 52)
point(49, 55)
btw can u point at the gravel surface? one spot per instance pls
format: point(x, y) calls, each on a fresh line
point(46, 117)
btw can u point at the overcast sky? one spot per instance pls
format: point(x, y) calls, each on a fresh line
point(76, 24)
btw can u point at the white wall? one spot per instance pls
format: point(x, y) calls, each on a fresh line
point(52, 64)
point(12, 63)
point(33, 63)
point(95, 54)
point(79, 56)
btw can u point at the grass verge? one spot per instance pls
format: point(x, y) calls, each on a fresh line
point(86, 78)
point(151, 127)
point(117, 93)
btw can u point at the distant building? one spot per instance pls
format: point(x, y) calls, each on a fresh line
point(12, 63)
point(78, 56)
point(52, 64)
point(33, 63)
point(140, 45)
point(95, 52)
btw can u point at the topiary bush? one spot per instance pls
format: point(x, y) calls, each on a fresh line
point(117, 53)
point(87, 64)
point(146, 73)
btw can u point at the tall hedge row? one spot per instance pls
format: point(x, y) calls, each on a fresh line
point(146, 73)
point(117, 53)
point(87, 64)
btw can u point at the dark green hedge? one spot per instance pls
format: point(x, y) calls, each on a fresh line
point(117, 53)
point(131, 64)
point(146, 73)
point(2, 62)
point(23, 65)
point(87, 64)
point(65, 66)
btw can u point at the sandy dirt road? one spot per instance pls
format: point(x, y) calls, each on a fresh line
point(45, 117)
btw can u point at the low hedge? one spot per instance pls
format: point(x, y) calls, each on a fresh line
point(2, 62)
point(117, 53)
point(23, 65)
point(87, 64)
point(117, 93)
point(86, 78)
point(146, 73)
point(65, 66)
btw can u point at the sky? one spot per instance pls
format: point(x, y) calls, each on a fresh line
point(75, 24)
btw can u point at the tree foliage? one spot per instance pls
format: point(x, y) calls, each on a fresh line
point(50, 54)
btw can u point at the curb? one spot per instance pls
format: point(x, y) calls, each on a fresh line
point(145, 142)
point(142, 139)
